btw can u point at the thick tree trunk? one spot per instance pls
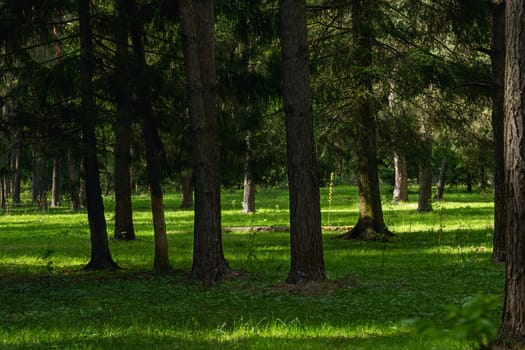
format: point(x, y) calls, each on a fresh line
point(124, 228)
point(400, 177)
point(152, 143)
point(307, 261)
point(197, 26)
point(248, 202)
point(56, 185)
point(512, 331)
point(440, 186)
point(371, 224)
point(100, 255)
point(498, 77)
point(186, 190)
point(424, 203)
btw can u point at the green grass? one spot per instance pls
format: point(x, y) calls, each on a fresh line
point(436, 259)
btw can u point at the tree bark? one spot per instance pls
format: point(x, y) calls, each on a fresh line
point(498, 77)
point(73, 180)
point(124, 228)
point(307, 261)
point(511, 334)
point(100, 255)
point(186, 189)
point(152, 143)
point(400, 177)
point(248, 202)
point(197, 26)
point(440, 187)
point(371, 224)
point(56, 185)
point(17, 172)
point(424, 203)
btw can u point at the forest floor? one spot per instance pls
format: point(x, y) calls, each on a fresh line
point(431, 287)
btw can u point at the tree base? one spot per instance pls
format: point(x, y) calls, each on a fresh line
point(105, 264)
point(299, 277)
point(367, 233)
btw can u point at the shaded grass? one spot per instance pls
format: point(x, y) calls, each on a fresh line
point(436, 259)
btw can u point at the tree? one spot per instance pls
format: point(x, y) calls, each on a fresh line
point(100, 255)
point(152, 140)
point(197, 27)
point(371, 223)
point(124, 228)
point(498, 75)
point(307, 262)
point(512, 331)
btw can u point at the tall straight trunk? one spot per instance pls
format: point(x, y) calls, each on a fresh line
point(307, 261)
point(440, 186)
point(152, 144)
point(400, 177)
point(512, 331)
point(424, 203)
point(248, 201)
point(371, 224)
point(73, 180)
point(56, 183)
point(197, 26)
point(100, 255)
point(17, 173)
point(124, 228)
point(186, 189)
point(498, 77)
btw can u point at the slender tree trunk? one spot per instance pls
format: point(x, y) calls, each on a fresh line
point(17, 174)
point(73, 181)
point(100, 255)
point(425, 175)
point(152, 143)
point(307, 261)
point(512, 331)
point(56, 185)
point(498, 77)
point(186, 189)
point(248, 202)
point(197, 26)
point(371, 224)
point(124, 228)
point(400, 177)
point(440, 187)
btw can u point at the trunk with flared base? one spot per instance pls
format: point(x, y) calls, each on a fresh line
point(197, 26)
point(100, 255)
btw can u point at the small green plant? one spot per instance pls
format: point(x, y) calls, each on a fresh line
point(47, 258)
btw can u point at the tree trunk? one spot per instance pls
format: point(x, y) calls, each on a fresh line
point(17, 173)
point(248, 202)
point(371, 224)
point(512, 331)
point(186, 189)
point(100, 255)
point(440, 187)
point(152, 144)
point(400, 177)
point(197, 26)
point(73, 181)
point(124, 228)
point(425, 175)
point(306, 243)
point(56, 185)
point(498, 77)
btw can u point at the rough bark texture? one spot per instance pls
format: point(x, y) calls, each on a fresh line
point(400, 177)
point(197, 25)
point(498, 76)
point(152, 143)
point(440, 186)
point(512, 332)
point(124, 228)
point(100, 255)
point(424, 203)
point(371, 224)
point(307, 261)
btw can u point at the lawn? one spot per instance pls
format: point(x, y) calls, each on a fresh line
point(381, 295)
